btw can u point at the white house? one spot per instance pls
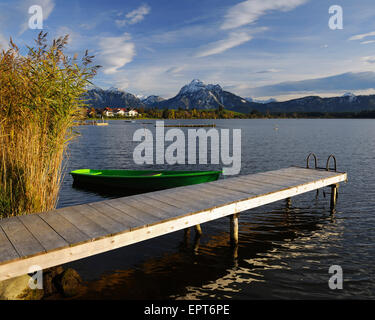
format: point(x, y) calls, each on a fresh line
point(132, 113)
point(108, 112)
point(121, 112)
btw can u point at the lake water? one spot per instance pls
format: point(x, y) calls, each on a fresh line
point(282, 254)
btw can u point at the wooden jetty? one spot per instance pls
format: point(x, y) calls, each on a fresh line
point(91, 123)
point(63, 235)
point(190, 125)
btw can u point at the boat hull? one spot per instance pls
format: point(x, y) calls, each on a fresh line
point(140, 180)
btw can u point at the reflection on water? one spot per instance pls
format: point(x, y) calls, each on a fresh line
point(283, 252)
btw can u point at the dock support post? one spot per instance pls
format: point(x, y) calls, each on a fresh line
point(288, 202)
point(198, 229)
point(334, 189)
point(234, 229)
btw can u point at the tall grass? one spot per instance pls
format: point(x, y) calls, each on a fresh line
point(39, 102)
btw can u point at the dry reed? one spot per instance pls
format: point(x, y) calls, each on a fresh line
point(39, 103)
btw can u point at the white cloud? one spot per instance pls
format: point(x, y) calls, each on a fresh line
point(272, 70)
point(47, 6)
point(175, 70)
point(250, 11)
point(369, 59)
point(234, 40)
point(195, 31)
point(134, 16)
point(362, 36)
point(115, 53)
point(368, 42)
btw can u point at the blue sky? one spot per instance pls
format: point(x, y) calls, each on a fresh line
point(254, 48)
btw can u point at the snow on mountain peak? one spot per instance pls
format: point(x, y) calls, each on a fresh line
point(197, 85)
point(352, 97)
point(113, 89)
point(349, 94)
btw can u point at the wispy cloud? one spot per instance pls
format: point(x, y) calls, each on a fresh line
point(268, 71)
point(233, 40)
point(369, 59)
point(175, 70)
point(184, 33)
point(368, 42)
point(250, 11)
point(362, 36)
point(115, 53)
point(134, 16)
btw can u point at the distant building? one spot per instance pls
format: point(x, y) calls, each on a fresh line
point(108, 112)
point(121, 112)
point(132, 113)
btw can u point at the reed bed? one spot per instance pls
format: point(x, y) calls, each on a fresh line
point(39, 102)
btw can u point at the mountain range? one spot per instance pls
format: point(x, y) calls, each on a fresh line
point(208, 96)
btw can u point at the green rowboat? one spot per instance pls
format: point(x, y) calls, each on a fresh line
point(140, 180)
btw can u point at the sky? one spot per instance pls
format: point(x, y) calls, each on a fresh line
point(262, 49)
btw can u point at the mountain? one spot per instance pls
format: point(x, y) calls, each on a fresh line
point(201, 96)
point(152, 101)
point(345, 103)
point(261, 101)
point(336, 83)
point(113, 97)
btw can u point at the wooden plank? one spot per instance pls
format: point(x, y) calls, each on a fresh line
point(111, 226)
point(267, 186)
point(304, 172)
point(250, 189)
point(307, 175)
point(292, 180)
point(22, 240)
point(146, 218)
point(184, 194)
point(211, 199)
point(145, 207)
point(220, 195)
point(254, 187)
point(120, 216)
point(218, 190)
point(284, 181)
point(64, 228)
point(195, 199)
point(188, 206)
point(47, 237)
point(86, 225)
point(260, 188)
point(311, 170)
point(268, 180)
point(296, 174)
point(7, 251)
point(158, 205)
